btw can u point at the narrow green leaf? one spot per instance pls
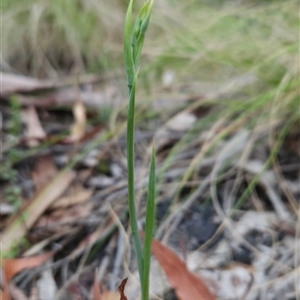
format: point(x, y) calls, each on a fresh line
point(149, 226)
point(131, 188)
point(133, 42)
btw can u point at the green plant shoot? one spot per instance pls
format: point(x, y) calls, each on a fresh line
point(133, 43)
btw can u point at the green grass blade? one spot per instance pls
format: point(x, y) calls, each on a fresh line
point(131, 188)
point(149, 227)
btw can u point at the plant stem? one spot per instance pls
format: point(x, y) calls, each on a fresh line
point(133, 42)
point(149, 227)
point(131, 186)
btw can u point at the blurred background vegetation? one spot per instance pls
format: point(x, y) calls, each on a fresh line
point(192, 47)
point(199, 40)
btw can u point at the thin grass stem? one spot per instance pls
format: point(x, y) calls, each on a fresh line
point(131, 186)
point(149, 227)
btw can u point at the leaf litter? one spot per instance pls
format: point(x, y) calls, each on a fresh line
point(239, 239)
point(34, 132)
point(67, 202)
point(187, 285)
point(13, 266)
point(20, 223)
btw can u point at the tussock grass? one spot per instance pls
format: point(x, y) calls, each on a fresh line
point(192, 35)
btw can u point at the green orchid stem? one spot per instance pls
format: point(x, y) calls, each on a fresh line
point(149, 227)
point(133, 43)
point(131, 186)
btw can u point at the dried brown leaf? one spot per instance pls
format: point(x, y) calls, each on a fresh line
point(21, 222)
point(34, 130)
point(121, 289)
point(78, 128)
point(187, 285)
point(13, 266)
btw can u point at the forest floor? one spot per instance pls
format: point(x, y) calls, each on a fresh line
point(218, 92)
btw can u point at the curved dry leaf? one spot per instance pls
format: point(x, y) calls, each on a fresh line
point(13, 266)
point(21, 222)
point(78, 128)
point(121, 289)
point(34, 130)
point(187, 285)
